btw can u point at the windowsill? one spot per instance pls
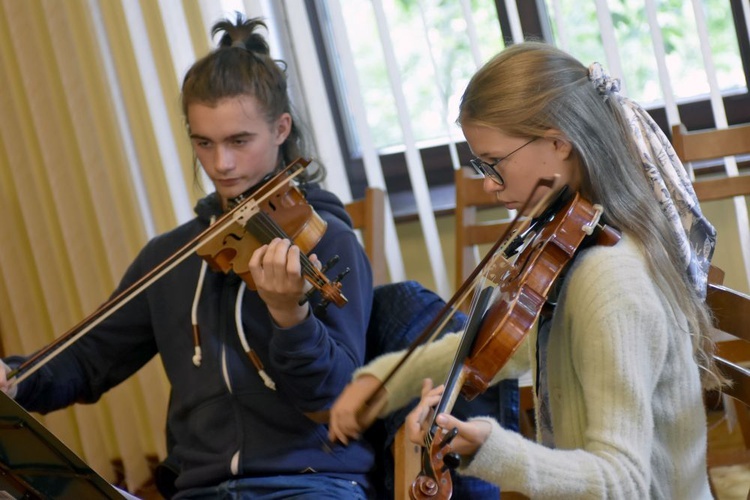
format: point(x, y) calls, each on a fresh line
point(404, 204)
point(443, 196)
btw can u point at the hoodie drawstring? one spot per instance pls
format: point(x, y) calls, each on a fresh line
point(197, 356)
point(267, 380)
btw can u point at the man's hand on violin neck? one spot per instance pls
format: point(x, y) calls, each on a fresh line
point(277, 272)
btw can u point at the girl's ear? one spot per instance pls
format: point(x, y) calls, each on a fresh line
point(560, 142)
point(283, 128)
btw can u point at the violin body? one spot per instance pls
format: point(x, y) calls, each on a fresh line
point(232, 247)
point(523, 291)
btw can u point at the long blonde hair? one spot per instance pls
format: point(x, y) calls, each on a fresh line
point(532, 87)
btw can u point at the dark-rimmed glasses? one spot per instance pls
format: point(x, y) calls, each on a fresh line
point(488, 169)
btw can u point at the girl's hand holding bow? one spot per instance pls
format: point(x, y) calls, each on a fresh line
point(345, 417)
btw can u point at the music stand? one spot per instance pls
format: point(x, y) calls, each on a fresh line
point(35, 464)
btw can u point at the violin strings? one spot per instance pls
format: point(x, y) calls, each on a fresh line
point(272, 229)
point(262, 225)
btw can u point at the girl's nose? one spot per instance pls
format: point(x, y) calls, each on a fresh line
point(491, 186)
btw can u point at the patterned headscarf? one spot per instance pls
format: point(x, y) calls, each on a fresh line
point(670, 182)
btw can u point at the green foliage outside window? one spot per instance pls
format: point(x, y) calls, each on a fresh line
point(432, 49)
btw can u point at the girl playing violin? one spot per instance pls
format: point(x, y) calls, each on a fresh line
point(240, 391)
point(621, 364)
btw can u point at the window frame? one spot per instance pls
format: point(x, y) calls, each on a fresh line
point(695, 115)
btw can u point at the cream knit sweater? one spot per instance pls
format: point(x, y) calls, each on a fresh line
point(624, 392)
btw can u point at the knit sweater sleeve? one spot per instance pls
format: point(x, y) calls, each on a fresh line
point(611, 331)
point(433, 361)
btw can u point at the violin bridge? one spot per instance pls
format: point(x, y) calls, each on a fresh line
point(496, 268)
point(243, 213)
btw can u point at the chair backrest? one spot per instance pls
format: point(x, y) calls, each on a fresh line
point(368, 216)
point(731, 310)
point(711, 144)
point(731, 314)
point(470, 231)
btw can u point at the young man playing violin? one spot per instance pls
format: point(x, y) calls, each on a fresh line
point(242, 388)
point(621, 363)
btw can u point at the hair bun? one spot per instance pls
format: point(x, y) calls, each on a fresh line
point(241, 33)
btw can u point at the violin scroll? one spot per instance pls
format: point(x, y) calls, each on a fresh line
point(434, 481)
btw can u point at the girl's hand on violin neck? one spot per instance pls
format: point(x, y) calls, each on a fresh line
point(343, 423)
point(419, 419)
point(276, 271)
point(6, 386)
point(471, 435)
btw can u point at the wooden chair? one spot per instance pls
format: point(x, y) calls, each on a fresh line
point(470, 229)
point(731, 311)
point(711, 144)
point(367, 216)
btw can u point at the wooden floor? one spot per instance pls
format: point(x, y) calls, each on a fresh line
point(730, 482)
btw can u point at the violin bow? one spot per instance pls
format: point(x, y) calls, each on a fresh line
point(242, 211)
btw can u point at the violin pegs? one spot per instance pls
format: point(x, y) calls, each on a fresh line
point(331, 262)
point(451, 461)
point(342, 274)
point(320, 309)
point(448, 437)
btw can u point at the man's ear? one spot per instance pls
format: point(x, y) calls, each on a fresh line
point(560, 142)
point(283, 128)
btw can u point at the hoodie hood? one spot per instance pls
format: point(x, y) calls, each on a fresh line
point(208, 207)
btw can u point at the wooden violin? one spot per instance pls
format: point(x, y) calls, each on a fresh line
point(502, 314)
point(276, 209)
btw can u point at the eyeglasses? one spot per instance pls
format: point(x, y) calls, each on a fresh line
point(488, 169)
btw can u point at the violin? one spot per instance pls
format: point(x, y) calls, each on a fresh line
point(276, 209)
point(502, 314)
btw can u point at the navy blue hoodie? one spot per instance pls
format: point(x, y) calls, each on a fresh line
point(221, 412)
